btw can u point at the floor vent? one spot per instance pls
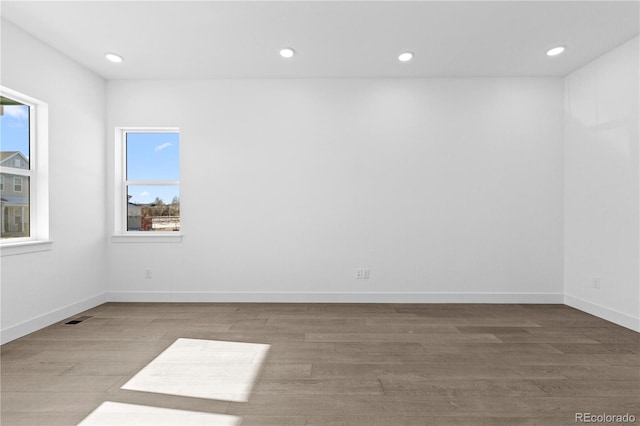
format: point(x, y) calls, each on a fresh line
point(77, 321)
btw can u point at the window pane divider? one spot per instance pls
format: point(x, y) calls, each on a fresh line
point(152, 182)
point(17, 172)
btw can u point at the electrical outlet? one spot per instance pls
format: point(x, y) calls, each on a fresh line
point(595, 282)
point(147, 273)
point(362, 273)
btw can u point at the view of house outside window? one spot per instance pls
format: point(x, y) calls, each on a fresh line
point(15, 167)
point(152, 181)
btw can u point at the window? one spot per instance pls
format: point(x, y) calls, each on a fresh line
point(23, 137)
point(16, 121)
point(148, 199)
point(17, 184)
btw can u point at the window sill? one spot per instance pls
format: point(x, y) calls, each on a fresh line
point(24, 247)
point(155, 238)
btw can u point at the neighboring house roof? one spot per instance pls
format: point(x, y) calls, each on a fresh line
point(7, 155)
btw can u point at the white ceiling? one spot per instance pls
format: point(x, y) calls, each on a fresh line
point(220, 39)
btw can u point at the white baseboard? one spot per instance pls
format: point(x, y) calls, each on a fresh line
point(22, 329)
point(13, 332)
point(603, 312)
point(381, 297)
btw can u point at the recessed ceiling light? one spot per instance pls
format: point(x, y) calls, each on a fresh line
point(405, 56)
point(113, 57)
point(287, 52)
point(555, 51)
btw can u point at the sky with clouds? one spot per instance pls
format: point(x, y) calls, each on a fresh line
point(14, 129)
point(150, 156)
point(153, 156)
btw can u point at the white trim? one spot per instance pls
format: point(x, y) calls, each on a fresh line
point(120, 176)
point(603, 312)
point(289, 297)
point(40, 166)
point(147, 237)
point(26, 327)
point(16, 172)
point(19, 330)
point(152, 182)
point(24, 246)
point(142, 129)
point(38, 172)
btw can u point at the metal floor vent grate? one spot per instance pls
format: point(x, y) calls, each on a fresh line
point(77, 320)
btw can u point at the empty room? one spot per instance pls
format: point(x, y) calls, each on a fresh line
point(330, 213)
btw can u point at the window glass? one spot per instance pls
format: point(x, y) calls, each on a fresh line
point(151, 184)
point(153, 208)
point(15, 202)
point(153, 156)
point(14, 133)
point(15, 206)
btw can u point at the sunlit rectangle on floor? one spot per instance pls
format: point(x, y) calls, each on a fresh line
point(203, 369)
point(119, 414)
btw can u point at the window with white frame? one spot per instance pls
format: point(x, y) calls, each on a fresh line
point(23, 182)
point(149, 191)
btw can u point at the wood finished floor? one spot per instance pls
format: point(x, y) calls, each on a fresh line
point(341, 364)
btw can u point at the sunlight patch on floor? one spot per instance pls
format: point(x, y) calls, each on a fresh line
point(203, 369)
point(116, 413)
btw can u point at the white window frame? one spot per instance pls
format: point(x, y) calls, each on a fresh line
point(38, 176)
point(121, 234)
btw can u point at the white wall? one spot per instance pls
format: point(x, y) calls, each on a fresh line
point(447, 189)
point(602, 187)
point(44, 287)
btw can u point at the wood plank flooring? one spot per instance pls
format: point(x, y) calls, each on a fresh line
point(340, 364)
